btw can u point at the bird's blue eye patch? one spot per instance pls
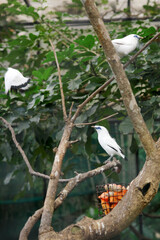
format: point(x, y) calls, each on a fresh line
point(136, 36)
point(98, 128)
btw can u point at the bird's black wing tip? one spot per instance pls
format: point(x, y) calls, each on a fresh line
point(22, 85)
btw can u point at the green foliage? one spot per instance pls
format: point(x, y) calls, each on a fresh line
point(83, 69)
point(37, 113)
point(152, 10)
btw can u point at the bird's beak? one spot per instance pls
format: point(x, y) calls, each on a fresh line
point(93, 126)
point(141, 37)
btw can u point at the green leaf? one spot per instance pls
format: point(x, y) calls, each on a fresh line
point(75, 83)
point(23, 126)
point(88, 41)
point(47, 73)
point(35, 119)
point(145, 32)
point(92, 110)
point(6, 151)
point(49, 57)
point(33, 37)
point(8, 178)
point(31, 104)
point(91, 87)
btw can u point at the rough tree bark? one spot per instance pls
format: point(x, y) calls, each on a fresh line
point(73, 182)
point(142, 189)
point(145, 185)
point(121, 78)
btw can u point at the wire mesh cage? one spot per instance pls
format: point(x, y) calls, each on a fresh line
point(109, 195)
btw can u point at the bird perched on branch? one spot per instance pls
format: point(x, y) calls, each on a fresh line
point(108, 143)
point(126, 45)
point(15, 80)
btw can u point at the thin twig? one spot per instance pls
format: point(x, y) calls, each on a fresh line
point(114, 164)
point(73, 182)
point(74, 141)
point(27, 3)
point(31, 171)
point(93, 70)
point(138, 234)
point(79, 124)
point(110, 80)
point(60, 81)
point(151, 216)
point(80, 177)
point(74, 42)
point(90, 97)
point(141, 50)
point(113, 103)
point(70, 110)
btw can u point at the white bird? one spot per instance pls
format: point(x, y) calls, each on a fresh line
point(126, 45)
point(108, 143)
point(15, 80)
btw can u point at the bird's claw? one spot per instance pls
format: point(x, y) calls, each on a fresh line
point(108, 160)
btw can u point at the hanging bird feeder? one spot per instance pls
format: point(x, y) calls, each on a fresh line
point(109, 196)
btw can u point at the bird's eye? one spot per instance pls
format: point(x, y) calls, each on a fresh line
point(98, 128)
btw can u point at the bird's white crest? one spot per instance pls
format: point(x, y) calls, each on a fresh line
point(108, 143)
point(14, 79)
point(126, 45)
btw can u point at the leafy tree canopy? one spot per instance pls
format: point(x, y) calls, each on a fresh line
point(37, 113)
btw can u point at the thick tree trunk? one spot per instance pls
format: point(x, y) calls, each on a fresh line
point(140, 193)
point(53, 182)
point(145, 186)
point(120, 75)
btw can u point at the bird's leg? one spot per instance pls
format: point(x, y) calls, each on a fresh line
point(105, 162)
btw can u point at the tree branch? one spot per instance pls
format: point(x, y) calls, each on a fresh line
point(121, 78)
point(80, 177)
point(27, 3)
point(101, 88)
point(90, 226)
point(151, 215)
point(90, 123)
point(138, 234)
point(70, 110)
point(47, 214)
point(73, 182)
point(90, 97)
point(30, 169)
point(123, 214)
point(60, 82)
point(145, 186)
point(74, 42)
point(29, 224)
point(141, 50)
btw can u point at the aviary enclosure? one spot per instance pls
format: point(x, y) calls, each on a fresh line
point(72, 66)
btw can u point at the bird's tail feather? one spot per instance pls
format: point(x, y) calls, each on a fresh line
point(123, 156)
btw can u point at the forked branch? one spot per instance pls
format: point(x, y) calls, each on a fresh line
point(90, 123)
point(31, 171)
point(121, 78)
point(102, 87)
point(64, 193)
